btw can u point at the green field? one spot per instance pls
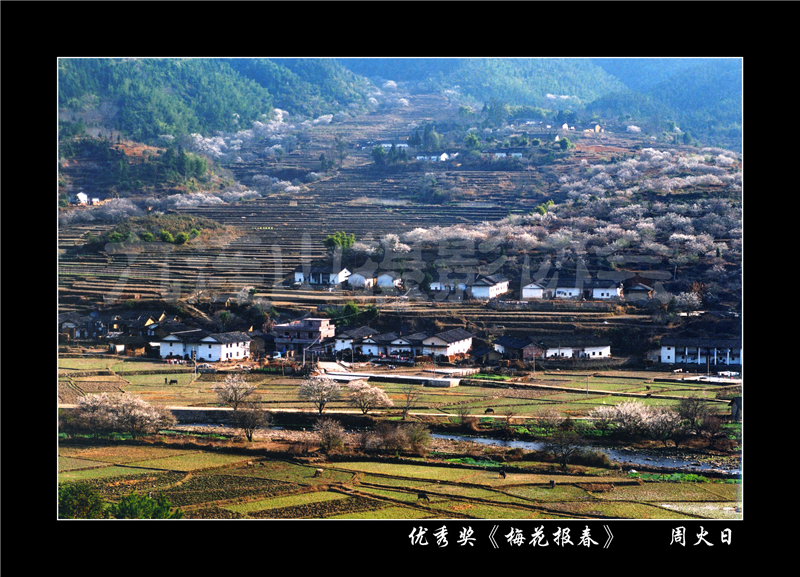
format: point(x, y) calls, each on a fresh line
point(213, 484)
point(527, 398)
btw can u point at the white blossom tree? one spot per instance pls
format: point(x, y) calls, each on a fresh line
point(137, 417)
point(120, 412)
point(365, 397)
point(320, 391)
point(233, 391)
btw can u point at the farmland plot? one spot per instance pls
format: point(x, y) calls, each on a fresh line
point(216, 485)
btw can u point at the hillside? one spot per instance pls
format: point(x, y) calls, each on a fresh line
point(702, 96)
point(148, 98)
point(589, 204)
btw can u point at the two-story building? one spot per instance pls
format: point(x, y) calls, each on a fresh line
point(296, 336)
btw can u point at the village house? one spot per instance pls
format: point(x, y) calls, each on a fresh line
point(202, 346)
point(378, 345)
point(534, 290)
point(452, 343)
point(453, 282)
point(638, 292)
point(130, 346)
point(361, 279)
point(514, 348)
point(604, 289)
point(351, 339)
point(408, 345)
point(262, 343)
point(296, 336)
point(587, 288)
point(73, 325)
point(699, 351)
point(389, 279)
point(485, 356)
point(320, 275)
point(568, 347)
point(488, 286)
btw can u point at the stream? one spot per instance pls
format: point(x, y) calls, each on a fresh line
point(628, 458)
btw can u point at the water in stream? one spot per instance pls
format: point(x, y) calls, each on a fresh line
point(628, 458)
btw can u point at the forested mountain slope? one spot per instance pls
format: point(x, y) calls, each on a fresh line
point(701, 96)
point(149, 97)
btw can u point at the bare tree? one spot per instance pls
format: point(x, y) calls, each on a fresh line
point(694, 410)
point(410, 394)
point(418, 436)
point(250, 417)
point(320, 391)
point(603, 418)
point(508, 413)
point(563, 445)
point(549, 421)
point(331, 434)
point(233, 391)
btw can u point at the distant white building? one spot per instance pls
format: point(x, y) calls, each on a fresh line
point(532, 290)
point(704, 352)
point(320, 275)
point(388, 280)
point(361, 280)
point(570, 347)
point(205, 347)
point(448, 343)
point(488, 287)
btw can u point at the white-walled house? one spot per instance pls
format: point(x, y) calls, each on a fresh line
point(570, 347)
point(206, 347)
point(351, 339)
point(320, 275)
point(488, 286)
point(704, 352)
point(606, 289)
point(378, 345)
point(388, 280)
point(533, 290)
point(448, 343)
point(568, 292)
point(361, 280)
point(408, 345)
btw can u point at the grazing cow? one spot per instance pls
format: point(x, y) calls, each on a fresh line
point(423, 496)
point(647, 387)
point(318, 472)
point(489, 410)
point(250, 464)
point(552, 483)
point(173, 382)
point(502, 473)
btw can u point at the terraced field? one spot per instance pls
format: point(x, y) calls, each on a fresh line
point(276, 233)
point(215, 484)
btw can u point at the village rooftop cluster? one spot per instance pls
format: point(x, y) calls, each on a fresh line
point(173, 339)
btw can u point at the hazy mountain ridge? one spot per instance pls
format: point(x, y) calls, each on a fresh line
point(145, 98)
point(698, 95)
